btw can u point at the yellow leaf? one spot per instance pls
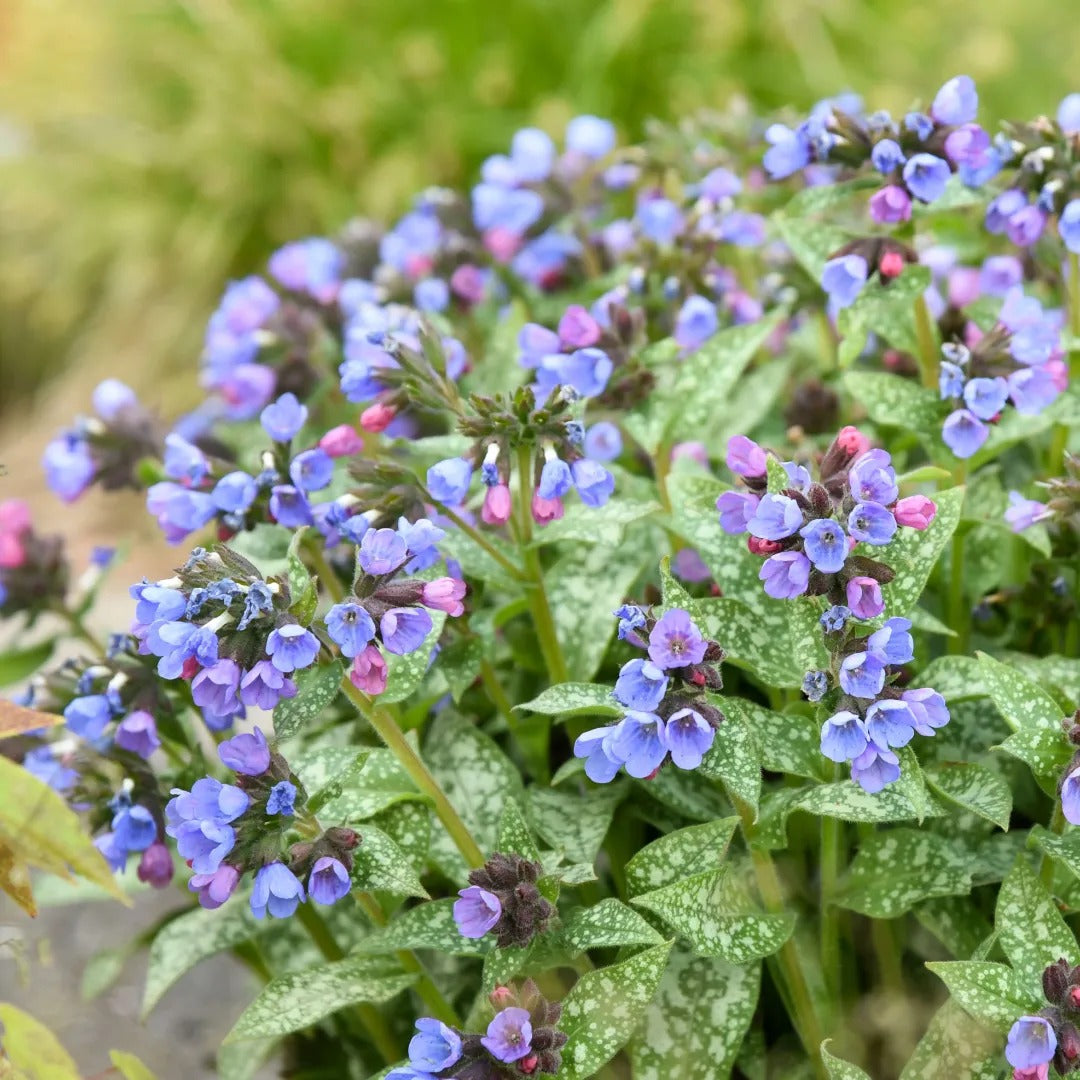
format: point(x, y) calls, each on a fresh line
point(37, 828)
point(129, 1066)
point(32, 1049)
point(15, 880)
point(15, 719)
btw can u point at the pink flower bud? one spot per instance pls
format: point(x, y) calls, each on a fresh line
point(14, 517)
point(467, 283)
point(341, 441)
point(497, 505)
point(853, 441)
point(156, 866)
point(695, 451)
point(545, 510)
point(12, 552)
point(502, 243)
point(758, 546)
point(419, 266)
point(369, 671)
point(377, 417)
point(444, 594)
point(864, 597)
point(891, 264)
point(915, 511)
point(501, 997)
point(529, 1064)
point(578, 329)
point(965, 286)
point(972, 334)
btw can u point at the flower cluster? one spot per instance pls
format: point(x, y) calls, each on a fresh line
point(664, 698)
point(872, 717)
point(1052, 1036)
point(502, 897)
point(522, 1039)
point(33, 570)
point(808, 531)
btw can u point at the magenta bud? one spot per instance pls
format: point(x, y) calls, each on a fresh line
point(156, 866)
point(915, 511)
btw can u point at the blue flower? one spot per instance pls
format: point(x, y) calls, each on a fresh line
point(593, 482)
point(156, 602)
point(893, 643)
point(382, 551)
point(435, 1046)
point(601, 761)
point(43, 763)
point(873, 479)
point(532, 153)
point(928, 709)
point(134, 828)
point(137, 732)
point(1031, 1043)
point(495, 206)
point(630, 618)
point(264, 686)
point(277, 890)
point(328, 881)
point(834, 620)
point(775, 518)
point(638, 741)
point(957, 102)
point(448, 480)
point(843, 278)
point(585, 370)
point(785, 575)
point(247, 754)
point(312, 266)
point(259, 601)
point(1068, 114)
point(641, 685)
point(235, 492)
point(431, 294)
point(843, 736)
point(659, 219)
point(178, 509)
point(871, 523)
point(696, 322)
point(926, 176)
point(951, 379)
point(1023, 513)
point(815, 685)
point(111, 398)
point(403, 630)
point(688, 737)
point(920, 124)
point(555, 479)
point(88, 716)
point(69, 468)
point(591, 136)
point(312, 470)
point(476, 911)
point(282, 799)
point(289, 507)
point(736, 508)
point(284, 418)
point(183, 461)
point(178, 642)
point(291, 647)
point(890, 722)
point(789, 151)
point(964, 433)
point(1032, 389)
point(887, 155)
point(875, 767)
point(350, 627)
point(203, 843)
point(862, 675)
point(826, 545)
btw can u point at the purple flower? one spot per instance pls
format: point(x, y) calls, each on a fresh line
point(887, 155)
point(789, 151)
point(283, 419)
point(435, 1046)
point(1069, 225)
point(382, 551)
point(509, 1035)
point(1032, 389)
point(890, 205)
point(208, 800)
point(688, 736)
point(215, 688)
point(585, 370)
point(183, 461)
point(203, 843)
point(893, 643)
point(964, 433)
point(603, 441)
point(577, 329)
point(593, 482)
point(957, 102)
point(137, 732)
point(639, 742)
point(675, 641)
point(594, 746)
point(215, 888)
point(862, 675)
point(1001, 208)
point(873, 479)
point(864, 597)
point(448, 480)
point(986, 397)
point(926, 176)
point(687, 565)
point(785, 574)
point(871, 523)
point(843, 278)
point(968, 146)
point(178, 642)
point(264, 686)
point(825, 544)
point(43, 763)
point(1068, 114)
point(248, 755)
point(890, 722)
point(1023, 513)
point(156, 866)
point(312, 470)
point(640, 685)
point(1031, 1043)
point(696, 322)
point(69, 468)
point(235, 492)
point(775, 517)
point(745, 457)
point(88, 716)
point(476, 911)
point(403, 630)
point(928, 708)
point(1026, 226)
point(291, 647)
point(289, 507)
point(178, 509)
point(111, 397)
point(874, 768)
point(328, 881)
point(282, 799)
point(276, 889)
point(843, 737)
point(555, 479)
point(736, 510)
point(350, 627)
point(659, 219)
point(313, 266)
point(1000, 273)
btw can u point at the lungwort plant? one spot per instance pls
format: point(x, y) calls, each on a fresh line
point(624, 620)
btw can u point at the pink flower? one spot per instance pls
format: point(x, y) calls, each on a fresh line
point(467, 283)
point(12, 552)
point(578, 329)
point(853, 441)
point(369, 671)
point(916, 512)
point(377, 417)
point(502, 243)
point(14, 517)
point(545, 510)
point(497, 505)
point(695, 451)
point(444, 594)
point(342, 441)
point(864, 597)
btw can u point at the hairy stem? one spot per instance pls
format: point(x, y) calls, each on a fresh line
point(832, 842)
point(928, 345)
point(479, 539)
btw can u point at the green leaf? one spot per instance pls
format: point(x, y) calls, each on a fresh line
point(180, 944)
point(405, 673)
point(242, 1060)
point(316, 688)
point(788, 742)
point(575, 824)
point(975, 788)
point(501, 966)
point(604, 1008)
point(956, 922)
point(734, 758)
point(896, 869)
point(812, 242)
point(31, 1050)
point(1030, 928)
point(848, 802)
point(696, 1023)
point(460, 664)
point(595, 525)
point(990, 992)
point(608, 924)
point(515, 837)
point(303, 595)
point(1065, 848)
point(955, 1045)
point(777, 475)
point(574, 699)
point(105, 967)
point(887, 310)
point(709, 910)
point(295, 1001)
point(371, 783)
point(426, 926)
point(956, 678)
point(19, 664)
point(893, 401)
point(129, 1066)
point(679, 854)
point(837, 1068)
point(380, 865)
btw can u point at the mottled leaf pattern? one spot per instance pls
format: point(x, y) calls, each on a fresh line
point(678, 853)
point(514, 834)
point(405, 673)
point(380, 865)
point(973, 787)
point(595, 525)
point(426, 926)
point(847, 801)
point(574, 699)
point(988, 991)
point(460, 664)
point(316, 688)
point(896, 402)
point(886, 310)
point(734, 759)
point(837, 1068)
point(607, 924)
point(1065, 848)
point(956, 1045)
point(574, 824)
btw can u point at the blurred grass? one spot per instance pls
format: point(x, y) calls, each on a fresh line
point(150, 149)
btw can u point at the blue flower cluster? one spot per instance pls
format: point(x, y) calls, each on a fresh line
point(666, 710)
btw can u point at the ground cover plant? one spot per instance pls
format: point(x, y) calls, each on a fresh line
point(624, 620)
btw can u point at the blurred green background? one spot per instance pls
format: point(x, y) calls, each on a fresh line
point(151, 149)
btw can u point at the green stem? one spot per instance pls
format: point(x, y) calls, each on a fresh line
point(832, 852)
point(1046, 864)
point(1074, 294)
point(373, 1021)
point(489, 677)
point(410, 761)
point(81, 631)
point(928, 344)
point(543, 622)
point(326, 573)
point(959, 618)
point(479, 539)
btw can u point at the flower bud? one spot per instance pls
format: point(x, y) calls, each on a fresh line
point(368, 672)
point(156, 866)
point(497, 505)
point(377, 417)
point(915, 511)
point(545, 510)
point(444, 594)
point(761, 547)
point(341, 441)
